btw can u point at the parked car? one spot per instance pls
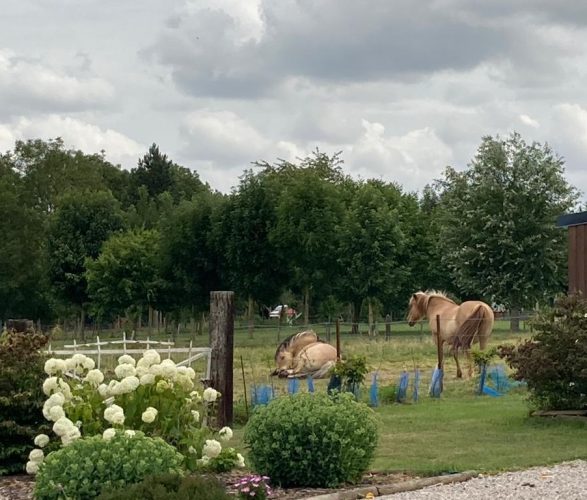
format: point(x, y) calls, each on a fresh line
point(290, 312)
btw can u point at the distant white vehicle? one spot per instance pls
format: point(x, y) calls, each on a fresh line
point(276, 313)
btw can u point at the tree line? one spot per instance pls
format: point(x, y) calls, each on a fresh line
point(81, 237)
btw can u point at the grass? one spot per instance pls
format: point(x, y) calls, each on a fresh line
point(458, 432)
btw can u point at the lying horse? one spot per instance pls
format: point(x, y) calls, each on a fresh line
point(460, 325)
point(304, 354)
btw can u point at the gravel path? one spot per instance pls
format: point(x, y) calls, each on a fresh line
point(566, 481)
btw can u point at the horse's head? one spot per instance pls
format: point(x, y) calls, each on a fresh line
point(417, 307)
point(283, 360)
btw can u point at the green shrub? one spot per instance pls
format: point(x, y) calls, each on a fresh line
point(21, 398)
point(88, 466)
point(351, 372)
point(171, 487)
point(312, 440)
point(387, 394)
point(554, 362)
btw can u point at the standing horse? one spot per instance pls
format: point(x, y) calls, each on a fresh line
point(460, 325)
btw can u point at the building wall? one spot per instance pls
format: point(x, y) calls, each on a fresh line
point(578, 258)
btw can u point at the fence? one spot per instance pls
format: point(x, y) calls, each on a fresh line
point(96, 349)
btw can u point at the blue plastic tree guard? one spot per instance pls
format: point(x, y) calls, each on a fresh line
point(293, 385)
point(436, 383)
point(374, 392)
point(403, 387)
point(310, 382)
point(416, 386)
point(261, 394)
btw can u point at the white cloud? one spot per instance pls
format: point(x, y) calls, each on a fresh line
point(412, 159)
point(75, 133)
point(32, 85)
point(526, 120)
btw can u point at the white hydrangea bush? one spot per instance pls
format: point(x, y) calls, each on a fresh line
point(150, 395)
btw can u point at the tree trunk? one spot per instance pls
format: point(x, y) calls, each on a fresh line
point(251, 316)
point(355, 318)
point(515, 320)
point(150, 319)
point(371, 321)
point(306, 305)
point(82, 323)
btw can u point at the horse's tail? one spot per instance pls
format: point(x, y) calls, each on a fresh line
point(468, 330)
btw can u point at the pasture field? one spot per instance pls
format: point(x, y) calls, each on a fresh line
point(460, 431)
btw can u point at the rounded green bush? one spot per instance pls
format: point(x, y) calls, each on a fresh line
point(313, 440)
point(89, 466)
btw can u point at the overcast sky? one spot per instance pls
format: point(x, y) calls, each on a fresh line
point(401, 87)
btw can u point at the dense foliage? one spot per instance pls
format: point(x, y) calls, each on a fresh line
point(88, 466)
point(171, 487)
point(21, 398)
point(312, 439)
point(82, 236)
point(554, 362)
point(498, 235)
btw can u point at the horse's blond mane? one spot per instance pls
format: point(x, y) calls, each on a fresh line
point(438, 293)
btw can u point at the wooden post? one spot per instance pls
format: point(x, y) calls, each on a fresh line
point(387, 326)
point(221, 330)
point(337, 338)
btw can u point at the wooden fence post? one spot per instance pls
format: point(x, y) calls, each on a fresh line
point(221, 329)
point(387, 326)
point(337, 339)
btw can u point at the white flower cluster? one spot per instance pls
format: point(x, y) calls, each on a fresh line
point(53, 407)
point(211, 449)
point(225, 433)
point(149, 415)
point(114, 414)
point(36, 458)
point(66, 430)
point(210, 395)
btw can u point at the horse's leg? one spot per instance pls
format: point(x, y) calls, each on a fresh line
point(469, 362)
point(455, 353)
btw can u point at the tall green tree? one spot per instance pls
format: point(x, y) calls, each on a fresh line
point(309, 210)
point(23, 287)
point(253, 266)
point(371, 245)
point(124, 279)
point(190, 260)
point(498, 230)
point(83, 221)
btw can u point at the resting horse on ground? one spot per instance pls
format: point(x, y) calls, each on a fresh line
point(460, 325)
point(304, 354)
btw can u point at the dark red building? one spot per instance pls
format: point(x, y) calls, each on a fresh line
point(577, 224)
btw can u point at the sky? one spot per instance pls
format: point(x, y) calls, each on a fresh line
point(401, 88)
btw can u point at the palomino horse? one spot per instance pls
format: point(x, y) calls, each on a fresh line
point(304, 354)
point(460, 325)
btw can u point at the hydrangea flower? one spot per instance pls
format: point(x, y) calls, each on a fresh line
point(149, 415)
point(196, 415)
point(151, 357)
point(212, 448)
point(71, 435)
point(225, 433)
point(125, 359)
point(168, 369)
point(41, 440)
point(114, 414)
point(54, 366)
point(32, 467)
point(36, 455)
point(124, 370)
point(108, 434)
point(94, 377)
point(240, 460)
point(129, 433)
point(210, 395)
point(62, 426)
point(147, 379)
point(55, 413)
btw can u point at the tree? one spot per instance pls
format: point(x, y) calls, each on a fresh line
point(77, 230)
point(23, 287)
point(498, 223)
point(371, 245)
point(190, 260)
point(124, 278)
point(253, 266)
point(309, 210)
